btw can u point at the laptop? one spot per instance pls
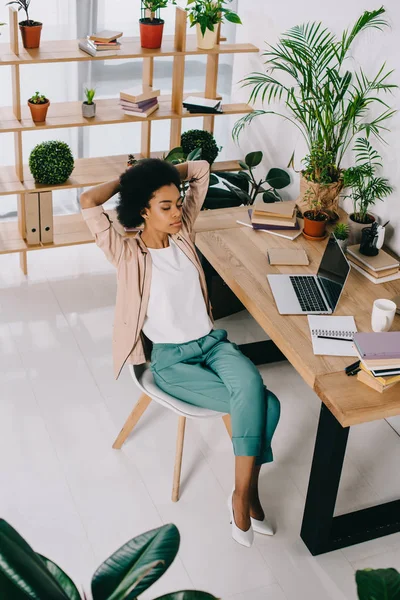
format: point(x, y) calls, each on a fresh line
point(313, 294)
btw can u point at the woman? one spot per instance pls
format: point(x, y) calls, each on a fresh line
point(163, 314)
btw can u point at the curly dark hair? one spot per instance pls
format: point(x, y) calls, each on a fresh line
point(138, 185)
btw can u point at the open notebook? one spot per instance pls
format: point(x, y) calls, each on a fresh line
point(340, 328)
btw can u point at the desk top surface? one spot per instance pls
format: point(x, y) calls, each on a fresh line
point(239, 255)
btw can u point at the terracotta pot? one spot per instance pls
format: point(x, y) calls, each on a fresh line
point(151, 33)
point(313, 228)
point(88, 110)
point(356, 228)
point(39, 111)
point(208, 40)
point(31, 35)
point(328, 194)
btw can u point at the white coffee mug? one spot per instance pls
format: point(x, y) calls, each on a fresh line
point(383, 312)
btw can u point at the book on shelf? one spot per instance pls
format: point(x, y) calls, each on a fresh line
point(384, 380)
point(139, 94)
point(105, 36)
point(88, 48)
point(274, 221)
point(103, 47)
point(138, 106)
point(282, 210)
point(141, 113)
point(197, 105)
point(380, 262)
point(374, 279)
point(373, 383)
point(376, 274)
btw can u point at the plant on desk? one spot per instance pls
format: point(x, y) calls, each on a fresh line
point(30, 30)
point(125, 575)
point(39, 105)
point(88, 106)
point(207, 15)
point(308, 70)
point(151, 24)
point(51, 163)
point(365, 186)
point(341, 233)
point(378, 584)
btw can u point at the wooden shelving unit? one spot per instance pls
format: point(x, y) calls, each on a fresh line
point(16, 119)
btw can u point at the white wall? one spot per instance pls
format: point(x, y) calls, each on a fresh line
point(264, 21)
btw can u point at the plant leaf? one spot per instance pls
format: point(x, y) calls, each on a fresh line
point(240, 180)
point(232, 17)
point(188, 595)
point(63, 579)
point(213, 179)
point(175, 154)
point(243, 196)
point(278, 178)
point(243, 165)
point(378, 584)
point(122, 566)
point(253, 159)
point(269, 197)
point(128, 585)
point(24, 570)
point(195, 154)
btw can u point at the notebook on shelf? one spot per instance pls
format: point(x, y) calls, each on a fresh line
point(139, 94)
point(106, 35)
point(341, 329)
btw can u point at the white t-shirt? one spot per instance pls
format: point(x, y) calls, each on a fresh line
point(176, 312)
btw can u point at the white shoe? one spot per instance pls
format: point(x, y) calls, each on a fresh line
point(263, 527)
point(245, 538)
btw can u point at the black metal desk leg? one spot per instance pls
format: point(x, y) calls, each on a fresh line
point(326, 469)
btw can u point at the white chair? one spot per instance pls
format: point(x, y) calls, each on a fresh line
point(143, 378)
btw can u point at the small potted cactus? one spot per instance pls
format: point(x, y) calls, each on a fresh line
point(88, 106)
point(341, 233)
point(39, 106)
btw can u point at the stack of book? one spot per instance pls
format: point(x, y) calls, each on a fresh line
point(278, 218)
point(378, 269)
point(198, 105)
point(104, 43)
point(379, 355)
point(141, 102)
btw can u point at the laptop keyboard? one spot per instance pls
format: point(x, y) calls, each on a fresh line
point(308, 294)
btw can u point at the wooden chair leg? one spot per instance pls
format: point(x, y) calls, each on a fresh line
point(132, 420)
point(227, 421)
point(178, 459)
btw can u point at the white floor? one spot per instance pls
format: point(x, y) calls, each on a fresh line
point(76, 500)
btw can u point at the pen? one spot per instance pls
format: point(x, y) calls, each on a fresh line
point(328, 337)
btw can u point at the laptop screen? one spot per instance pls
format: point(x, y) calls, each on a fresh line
point(333, 271)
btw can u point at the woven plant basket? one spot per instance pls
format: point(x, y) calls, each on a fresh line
point(328, 194)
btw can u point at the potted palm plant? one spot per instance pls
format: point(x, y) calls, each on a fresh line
point(366, 187)
point(206, 15)
point(39, 105)
point(326, 101)
point(30, 30)
point(151, 25)
point(88, 106)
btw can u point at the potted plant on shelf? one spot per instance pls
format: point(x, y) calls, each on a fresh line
point(341, 233)
point(366, 187)
point(206, 15)
point(326, 101)
point(197, 138)
point(88, 106)
point(151, 25)
point(51, 163)
point(30, 30)
point(39, 106)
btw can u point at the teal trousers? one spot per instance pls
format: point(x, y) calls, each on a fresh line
point(212, 373)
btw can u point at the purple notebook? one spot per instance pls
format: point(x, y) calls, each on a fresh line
point(378, 345)
point(272, 227)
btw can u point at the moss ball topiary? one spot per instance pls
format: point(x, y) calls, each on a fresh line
point(51, 163)
point(197, 138)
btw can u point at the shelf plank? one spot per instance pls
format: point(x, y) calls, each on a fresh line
point(87, 172)
point(108, 111)
point(54, 51)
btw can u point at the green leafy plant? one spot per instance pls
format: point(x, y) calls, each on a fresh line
point(365, 186)
point(244, 186)
point(208, 13)
point(51, 163)
point(328, 103)
point(90, 94)
point(154, 6)
point(341, 231)
point(378, 584)
point(38, 98)
point(197, 138)
point(126, 574)
point(2, 25)
point(24, 5)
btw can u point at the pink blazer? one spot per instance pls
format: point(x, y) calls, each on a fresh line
point(133, 263)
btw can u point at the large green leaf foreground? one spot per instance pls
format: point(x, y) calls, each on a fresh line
point(378, 584)
point(125, 575)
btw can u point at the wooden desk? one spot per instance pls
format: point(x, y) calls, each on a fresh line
point(239, 256)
